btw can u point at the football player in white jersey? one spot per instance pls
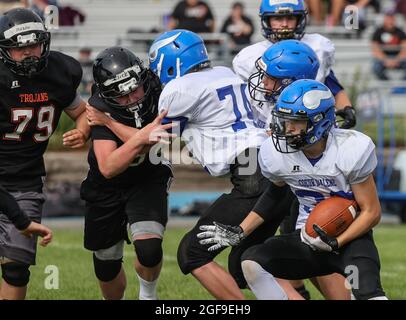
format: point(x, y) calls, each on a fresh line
point(281, 64)
point(217, 124)
point(317, 161)
point(286, 19)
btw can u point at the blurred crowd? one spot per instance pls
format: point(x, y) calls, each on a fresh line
point(68, 15)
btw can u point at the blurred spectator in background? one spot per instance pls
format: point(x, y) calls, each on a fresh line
point(192, 15)
point(68, 16)
point(401, 7)
point(388, 47)
point(239, 27)
point(6, 5)
point(316, 10)
point(86, 62)
point(39, 6)
point(336, 9)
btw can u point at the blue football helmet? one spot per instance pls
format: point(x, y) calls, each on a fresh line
point(284, 62)
point(303, 100)
point(275, 8)
point(177, 52)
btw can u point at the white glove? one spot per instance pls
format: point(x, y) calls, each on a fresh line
point(220, 234)
point(315, 243)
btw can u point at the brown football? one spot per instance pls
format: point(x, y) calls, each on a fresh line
point(334, 215)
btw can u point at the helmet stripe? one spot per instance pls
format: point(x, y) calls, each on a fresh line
point(29, 26)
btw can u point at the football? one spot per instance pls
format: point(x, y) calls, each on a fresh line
point(334, 215)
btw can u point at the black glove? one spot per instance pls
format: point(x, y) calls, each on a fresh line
point(348, 114)
point(330, 241)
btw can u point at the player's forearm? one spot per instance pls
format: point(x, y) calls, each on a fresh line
point(367, 219)
point(120, 130)
point(342, 100)
point(251, 222)
point(9, 206)
point(121, 158)
point(82, 124)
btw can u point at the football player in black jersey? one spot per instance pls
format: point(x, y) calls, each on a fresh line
point(123, 186)
point(36, 85)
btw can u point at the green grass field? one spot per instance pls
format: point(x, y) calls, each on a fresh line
point(77, 281)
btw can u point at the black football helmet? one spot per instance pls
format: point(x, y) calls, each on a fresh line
point(22, 27)
point(118, 72)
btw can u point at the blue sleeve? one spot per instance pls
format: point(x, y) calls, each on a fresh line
point(182, 122)
point(333, 84)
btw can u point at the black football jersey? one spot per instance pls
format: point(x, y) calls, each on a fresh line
point(30, 108)
point(141, 166)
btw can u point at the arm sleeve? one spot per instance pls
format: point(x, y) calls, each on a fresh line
point(9, 206)
point(364, 165)
point(333, 84)
point(267, 203)
point(102, 133)
point(76, 73)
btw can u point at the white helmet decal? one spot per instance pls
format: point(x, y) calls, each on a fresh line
point(153, 51)
point(312, 99)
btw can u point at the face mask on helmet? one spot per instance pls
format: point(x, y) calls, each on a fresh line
point(21, 28)
point(280, 65)
point(126, 85)
point(280, 9)
point(285, 140)
point(264, 87)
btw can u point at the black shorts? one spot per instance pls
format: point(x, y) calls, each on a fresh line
point(13, 245)
point(287, 257)
point(109, 210)
point(231, 209)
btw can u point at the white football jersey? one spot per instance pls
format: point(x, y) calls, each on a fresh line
point(244, 62)
point(261, 111)
point(219, 117)
point(349, 159)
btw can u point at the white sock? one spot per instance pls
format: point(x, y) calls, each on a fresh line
point(147, 289)
point(261, 282)
point(379, 298)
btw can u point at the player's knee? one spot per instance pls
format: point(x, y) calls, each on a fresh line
point(16, 274)
point(149, 251)
point(107, 262)
point(188, 259)
point(250, 269)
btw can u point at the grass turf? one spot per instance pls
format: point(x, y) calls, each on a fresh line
point(77, 280)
